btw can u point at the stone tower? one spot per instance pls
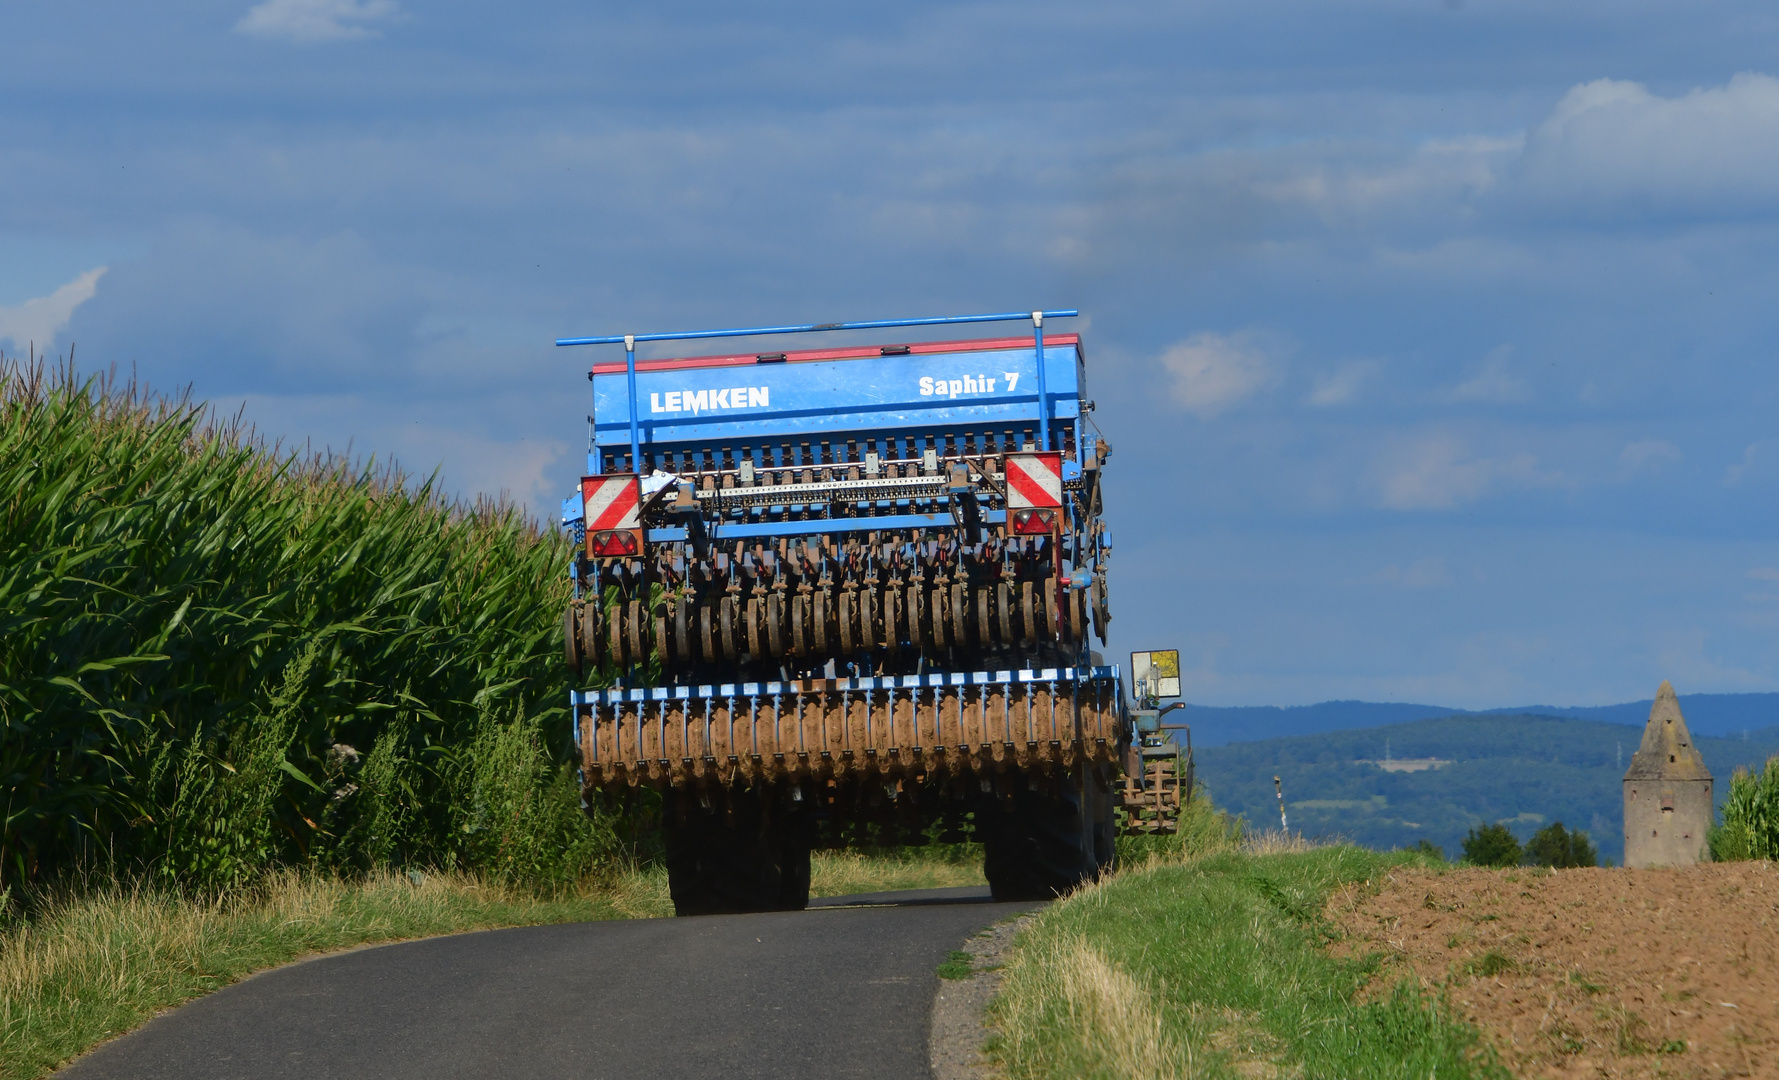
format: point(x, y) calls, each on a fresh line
point(1667, 792)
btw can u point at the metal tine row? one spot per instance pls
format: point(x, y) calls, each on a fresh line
point(828, 734)
point(896, 449)
point(823, 619)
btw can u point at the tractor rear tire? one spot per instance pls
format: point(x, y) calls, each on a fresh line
point(755, 860)
point(1105, 824)
point(1039, 847)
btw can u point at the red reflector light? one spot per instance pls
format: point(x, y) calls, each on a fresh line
point(614, 542)
point(1034, 522)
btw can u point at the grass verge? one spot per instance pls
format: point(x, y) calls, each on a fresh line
point(842, 873)
point(1215, 964)
point(93, 966)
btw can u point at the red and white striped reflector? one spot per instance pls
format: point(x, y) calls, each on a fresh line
point(612, 510)
point(1034, 481)
point(611, 502)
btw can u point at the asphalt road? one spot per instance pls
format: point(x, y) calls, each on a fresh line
point(842, 990)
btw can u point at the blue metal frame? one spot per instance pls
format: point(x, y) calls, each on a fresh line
point(863, 397)
point(629, 342)
point(940, 679)
point(726, 530)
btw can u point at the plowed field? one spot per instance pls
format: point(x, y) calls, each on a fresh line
point(1591, 973)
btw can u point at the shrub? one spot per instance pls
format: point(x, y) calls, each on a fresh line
point(1491, 845)
point(1560, 848)
point(1750, 827)
point(519, 813)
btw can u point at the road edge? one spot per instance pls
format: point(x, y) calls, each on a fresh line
point(959, 1029)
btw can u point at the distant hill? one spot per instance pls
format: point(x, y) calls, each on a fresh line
point(1522, 769)
point(1706, 714)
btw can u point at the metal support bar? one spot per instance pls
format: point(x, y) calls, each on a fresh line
point(1055, 677)
point(1043, 383)
point(630, 340)
point(630, 371)
point(731, 530)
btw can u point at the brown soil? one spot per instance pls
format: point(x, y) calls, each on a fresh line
point(1597, 973)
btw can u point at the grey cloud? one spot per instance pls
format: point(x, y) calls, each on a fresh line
point(1613, 146)
point(308, 22)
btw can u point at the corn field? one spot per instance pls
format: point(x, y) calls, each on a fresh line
point(216, 657)
point(1750, 826)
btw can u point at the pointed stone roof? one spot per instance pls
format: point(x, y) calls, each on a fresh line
point(1667, 751)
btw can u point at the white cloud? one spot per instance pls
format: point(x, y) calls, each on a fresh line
point(1212, 373)
point(39, 321)
point(1420, 574)
point(1492, 382)
point(1438, 474)
point(1607, 147)
point(1340, 387)
point(1751, 459)
point(1712, 149)
point(309, 21)
point(1764, 573)
point(1647, 454)
point(1682, 656)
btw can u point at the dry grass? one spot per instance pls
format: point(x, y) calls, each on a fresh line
point(1117, 1025)
point(1279, 842)
point(842, 873)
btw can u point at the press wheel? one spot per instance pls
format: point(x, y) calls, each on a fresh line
point(682, 630)
point(848, 601)
point(799, 626)
point(634, 627)
point(821, 606)
point(775, 622)
point(571, 637)
point(590, 636)
point(730, 632)
point(615, 640)
point(870, 612)
point(756, 614)
point(893, 616)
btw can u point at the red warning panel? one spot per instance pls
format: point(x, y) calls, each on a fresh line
point(613, 514)
point(1034, 481)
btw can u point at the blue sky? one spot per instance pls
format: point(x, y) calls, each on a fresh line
point(1435, 339)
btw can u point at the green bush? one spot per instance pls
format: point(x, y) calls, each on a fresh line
point(198, 636)
point(519, 813)
point(1560, 848)
point(1750, 825)
point(1491, 845)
